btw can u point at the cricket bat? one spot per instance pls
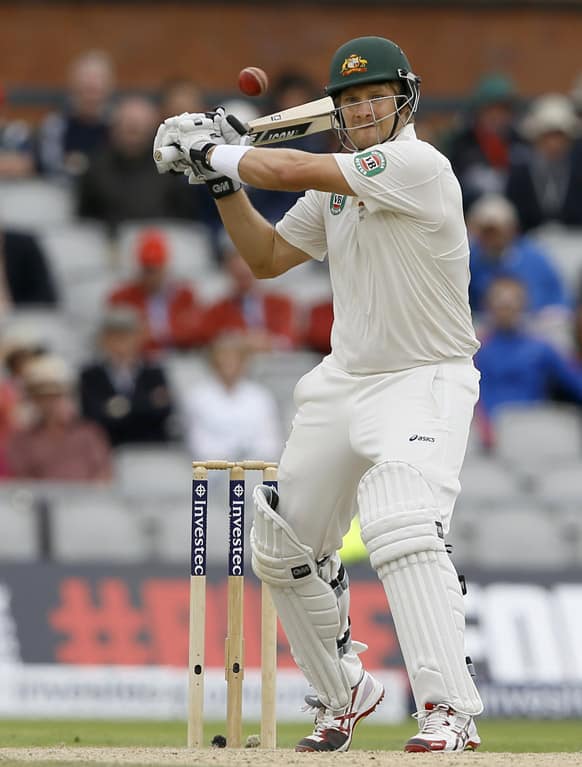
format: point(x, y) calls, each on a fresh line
point(312, 117)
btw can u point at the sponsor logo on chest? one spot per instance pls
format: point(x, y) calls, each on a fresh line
point(337, 203)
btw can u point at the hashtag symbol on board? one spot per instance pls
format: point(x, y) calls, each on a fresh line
point(104, 627)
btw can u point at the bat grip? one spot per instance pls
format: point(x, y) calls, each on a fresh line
point(168, 154)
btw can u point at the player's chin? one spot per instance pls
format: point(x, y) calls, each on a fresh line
point(364, 137)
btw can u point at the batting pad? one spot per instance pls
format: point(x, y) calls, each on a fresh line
point(403, 534)
point(307, 606)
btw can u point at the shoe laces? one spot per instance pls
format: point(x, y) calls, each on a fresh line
point(432, 722)
point(324, 717)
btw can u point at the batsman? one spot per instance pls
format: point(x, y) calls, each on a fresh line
point(382, 423)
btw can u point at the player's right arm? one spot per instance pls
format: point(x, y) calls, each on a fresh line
point(264, 250)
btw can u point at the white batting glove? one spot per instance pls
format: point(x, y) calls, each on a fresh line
point(197, 137)
point(167, 135)
point(232, 130)
point(194, 134)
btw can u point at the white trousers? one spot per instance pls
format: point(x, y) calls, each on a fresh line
point(347, 423)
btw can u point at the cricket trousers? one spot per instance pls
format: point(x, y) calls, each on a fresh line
point(347, 423)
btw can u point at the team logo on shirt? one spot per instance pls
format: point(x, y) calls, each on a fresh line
point(370, 163)
point(337, 203)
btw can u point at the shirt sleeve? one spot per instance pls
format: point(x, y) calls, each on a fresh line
point(303, 226)
point(402, 176)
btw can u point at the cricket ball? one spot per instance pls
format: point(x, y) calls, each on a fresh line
point(253, 81)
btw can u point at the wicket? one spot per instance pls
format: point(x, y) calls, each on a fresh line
point(234, 645)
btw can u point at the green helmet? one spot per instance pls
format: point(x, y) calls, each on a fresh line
point(370, 60)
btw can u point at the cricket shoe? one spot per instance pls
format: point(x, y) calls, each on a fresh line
point(333, 731)
point(444, 729)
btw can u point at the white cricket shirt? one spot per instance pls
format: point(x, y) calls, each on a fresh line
point(398, 257)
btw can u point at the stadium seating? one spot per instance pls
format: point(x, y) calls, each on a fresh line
point(96, 525)
point(515, 536)
point(35, 204)
point(485, 481)
point(532, 438)
point(19, 535)
point(152, 471)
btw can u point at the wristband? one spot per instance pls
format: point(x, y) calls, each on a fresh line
point(226, 157)
point(222, 187)
point(199, 155)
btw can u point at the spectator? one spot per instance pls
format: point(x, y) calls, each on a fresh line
point(289, 89)
point(267, 319)
point(9, 403)
point(25, 277)
point(577, 337)
point(19, 347)
point(16, 149)
point(517, 367)
point(498, 250)
point(180, 95)
point(229, 414)
point(58, 445)
point(121, 181)
point(480, 149)
point(124, 392)
point(67, 139)
point(545, 184)
point(168, 307)
point(185, 200)
point(317, 336)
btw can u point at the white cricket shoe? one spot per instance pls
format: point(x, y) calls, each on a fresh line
point(333, 731)
point(444, 729)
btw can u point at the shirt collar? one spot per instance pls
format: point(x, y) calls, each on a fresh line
point(406, 134)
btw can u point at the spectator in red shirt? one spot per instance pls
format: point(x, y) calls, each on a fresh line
point(169, 307)
point(267, 319)
point(317, 336)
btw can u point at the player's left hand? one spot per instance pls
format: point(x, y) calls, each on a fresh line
point(167, 135)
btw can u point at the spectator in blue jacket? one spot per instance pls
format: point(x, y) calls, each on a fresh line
point(498, 250)
point(516, 366)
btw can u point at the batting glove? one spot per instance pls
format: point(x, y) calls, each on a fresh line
point(167, 135)
point(198, 138)
point(232, 130)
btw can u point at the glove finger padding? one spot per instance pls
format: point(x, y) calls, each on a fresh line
point(237, 125)
point(168, 136)
point(232, 130)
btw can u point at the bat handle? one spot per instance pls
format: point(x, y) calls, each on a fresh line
point(168, 154)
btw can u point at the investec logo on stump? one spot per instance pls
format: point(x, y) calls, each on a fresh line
point(199, 529)
point(236, 564)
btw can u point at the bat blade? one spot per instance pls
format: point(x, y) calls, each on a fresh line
point(294, 123)
point(312, 117)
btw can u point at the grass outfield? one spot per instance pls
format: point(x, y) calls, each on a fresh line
point(497, 736)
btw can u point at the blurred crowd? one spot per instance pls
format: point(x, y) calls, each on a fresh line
point(519, 162)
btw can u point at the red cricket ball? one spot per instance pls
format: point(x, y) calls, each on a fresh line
point(253, 81)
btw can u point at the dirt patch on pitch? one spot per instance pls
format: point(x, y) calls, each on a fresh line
point(167, 757)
